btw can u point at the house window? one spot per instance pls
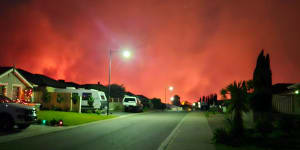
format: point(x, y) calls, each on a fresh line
point(2, 90)
point(102, 97)
point(86, 96)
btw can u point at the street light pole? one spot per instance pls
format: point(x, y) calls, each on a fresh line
point(170, 89)
point(109, 74)
point(125, 54)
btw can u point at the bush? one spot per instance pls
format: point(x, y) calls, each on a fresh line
point(264, 127)
point(221, 136)
point(118, 107)
point(286, 124)
point(46, 97)
point(89, 111)
point(53, 122)
point(98, 111)
point(59, 98)
point(91, 101)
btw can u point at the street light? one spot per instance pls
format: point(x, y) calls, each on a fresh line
point(172, 98)
point(297, 92)
point(126, 54)
point(171, 88)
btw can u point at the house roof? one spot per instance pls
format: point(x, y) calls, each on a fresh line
point(41, 80)
point(6, 70)
point(294, 86)
point(281, 88)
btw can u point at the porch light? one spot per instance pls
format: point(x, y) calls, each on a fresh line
point(297, 92)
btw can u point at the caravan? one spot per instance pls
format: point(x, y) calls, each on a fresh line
point(84, 94)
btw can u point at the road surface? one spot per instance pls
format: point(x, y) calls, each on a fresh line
point(144, 131)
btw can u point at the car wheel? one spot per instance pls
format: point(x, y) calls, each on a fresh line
point(6, 123)
point(23, 126)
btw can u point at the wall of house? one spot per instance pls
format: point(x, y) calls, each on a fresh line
point(11, 80)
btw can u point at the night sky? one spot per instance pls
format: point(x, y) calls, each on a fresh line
point(197, 46)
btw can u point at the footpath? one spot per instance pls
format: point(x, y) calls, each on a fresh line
point(192, 133)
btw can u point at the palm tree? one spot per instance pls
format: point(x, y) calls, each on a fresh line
point(238, 92)
point(223, 92)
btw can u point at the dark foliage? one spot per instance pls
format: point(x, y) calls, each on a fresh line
point(91, 101)
point(59, 98)
point(157, 103)
point(262, 83)
point(176, 100)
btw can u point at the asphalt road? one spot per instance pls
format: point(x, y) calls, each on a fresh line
point(138, 132)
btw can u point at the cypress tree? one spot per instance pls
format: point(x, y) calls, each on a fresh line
point(261, 101)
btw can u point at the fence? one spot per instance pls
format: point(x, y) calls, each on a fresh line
point(57, 101)
point(289, 103)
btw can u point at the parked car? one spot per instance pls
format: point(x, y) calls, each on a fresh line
point(132, 103)
point(12, 114)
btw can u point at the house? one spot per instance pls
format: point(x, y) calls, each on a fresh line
point(14, 85)
point(286, 98)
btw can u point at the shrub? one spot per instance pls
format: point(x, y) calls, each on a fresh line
point(286, 124)
point(263, 127)
point(221, 136)
point(118, 107)
point(91, 101)
point(89, 111)
point(59, 98)
point(97, 111)
point(53, 122)
point(46, 97)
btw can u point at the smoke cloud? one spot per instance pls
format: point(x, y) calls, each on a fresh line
point(197, 46)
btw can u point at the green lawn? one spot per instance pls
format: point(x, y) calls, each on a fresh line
point(71, 118)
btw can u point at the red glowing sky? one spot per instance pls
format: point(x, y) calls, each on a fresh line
point(197, 46)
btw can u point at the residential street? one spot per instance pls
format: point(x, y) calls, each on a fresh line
point(155, 130)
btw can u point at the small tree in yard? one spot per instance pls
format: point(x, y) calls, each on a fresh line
point(238, 92)
point(176, 100)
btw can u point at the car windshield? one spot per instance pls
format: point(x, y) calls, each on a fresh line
point(129, 100)
point(4, 99)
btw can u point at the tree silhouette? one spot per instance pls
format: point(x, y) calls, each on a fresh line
point(238, 92)
point(176, 100)
point(261, 100)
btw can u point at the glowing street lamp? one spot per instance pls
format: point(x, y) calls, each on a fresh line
point(126, 54)
point(297, 92)
point(171, 88)
point(172, 98)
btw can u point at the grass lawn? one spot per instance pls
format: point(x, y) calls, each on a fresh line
point(71, 118)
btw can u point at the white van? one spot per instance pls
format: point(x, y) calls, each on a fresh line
point(84, 94)
point(132, 103)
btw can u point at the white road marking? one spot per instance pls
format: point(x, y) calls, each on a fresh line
point(171, 137)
